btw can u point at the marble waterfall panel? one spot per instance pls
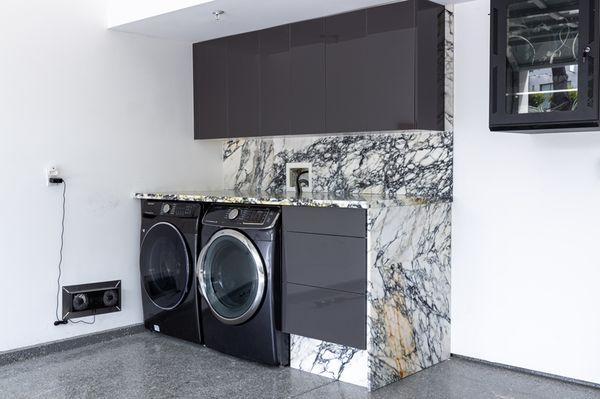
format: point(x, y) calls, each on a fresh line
point(416, 163)
point(408, 294)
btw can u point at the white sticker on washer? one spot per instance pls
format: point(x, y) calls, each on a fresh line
point(156, 328)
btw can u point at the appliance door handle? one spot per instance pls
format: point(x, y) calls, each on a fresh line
point(200, 271)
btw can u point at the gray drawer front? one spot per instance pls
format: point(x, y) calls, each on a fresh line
point(327, 315)
point(334, 262)
point(334, 221)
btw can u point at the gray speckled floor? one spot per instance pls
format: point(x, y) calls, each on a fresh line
point(149, 365)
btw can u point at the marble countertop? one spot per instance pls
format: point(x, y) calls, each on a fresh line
point(364, 201)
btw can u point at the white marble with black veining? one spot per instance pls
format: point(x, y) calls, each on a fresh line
point(415, 163)
point(408, 294)
point(449, 69)
point(329, 360)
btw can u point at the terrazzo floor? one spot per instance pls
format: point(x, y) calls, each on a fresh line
point(148, 365)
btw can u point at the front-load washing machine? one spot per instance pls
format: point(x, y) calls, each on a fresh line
point(169, 247)
point(239, 276)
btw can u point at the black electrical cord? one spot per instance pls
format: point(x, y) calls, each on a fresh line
point(83, 321)
point(59, 320)
point(60, 259)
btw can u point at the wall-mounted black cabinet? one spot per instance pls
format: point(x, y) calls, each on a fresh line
point(369, 70)
point(544, 65)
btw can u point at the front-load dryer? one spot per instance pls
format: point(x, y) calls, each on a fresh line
point(169, 247)
point(239, 276)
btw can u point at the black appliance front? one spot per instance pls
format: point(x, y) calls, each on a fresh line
point(239, 276)
point(169, 245)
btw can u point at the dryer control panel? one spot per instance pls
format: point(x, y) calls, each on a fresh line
point(241, 216)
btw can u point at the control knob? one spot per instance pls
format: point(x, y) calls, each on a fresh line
point(166, 208)
point(234, 213)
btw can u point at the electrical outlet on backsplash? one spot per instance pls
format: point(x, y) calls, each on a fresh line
point(416, 163)
point(298, 173)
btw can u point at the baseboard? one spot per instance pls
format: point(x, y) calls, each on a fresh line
point(29, 352)
point(528, 371)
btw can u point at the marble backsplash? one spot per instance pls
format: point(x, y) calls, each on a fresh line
point(415, 163)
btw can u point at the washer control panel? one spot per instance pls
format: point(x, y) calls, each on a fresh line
point(176, 209)
point(241, 216)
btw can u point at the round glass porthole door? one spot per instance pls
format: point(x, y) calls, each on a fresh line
point(165, 266)
point(231, 274)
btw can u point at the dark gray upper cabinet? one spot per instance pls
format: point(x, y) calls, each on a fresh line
point(307, 83)
point(210, 89)
point(370, 70)
point(243, 76)
point(390, 53)
point(275, 80)
point(346, 74)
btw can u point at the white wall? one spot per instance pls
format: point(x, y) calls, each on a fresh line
point(114, 112)
point(526, 259)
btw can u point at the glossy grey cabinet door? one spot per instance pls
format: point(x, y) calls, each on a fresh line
point(333, 262)
point(243, 85)
point(390, 53)
point(346, 77)
point(210, 89)
point(275, 81)
point(307, 78)
point(328, 315)
point(334, 221)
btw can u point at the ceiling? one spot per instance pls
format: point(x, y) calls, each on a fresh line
point(197, 23)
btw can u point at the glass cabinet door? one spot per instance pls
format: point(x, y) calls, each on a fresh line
point(543, 66)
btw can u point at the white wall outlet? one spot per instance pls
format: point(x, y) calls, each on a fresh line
point(293, 170)
point(51, 172)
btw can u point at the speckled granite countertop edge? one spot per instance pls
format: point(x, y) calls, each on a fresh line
point(365, 201)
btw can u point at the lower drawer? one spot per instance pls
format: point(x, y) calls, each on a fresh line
point(334, 262)
point(328, 315)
